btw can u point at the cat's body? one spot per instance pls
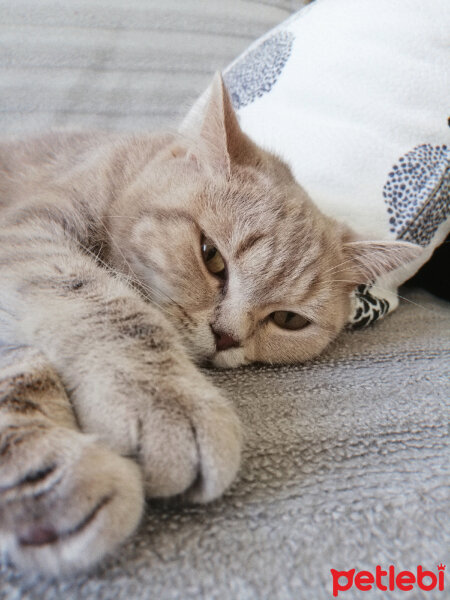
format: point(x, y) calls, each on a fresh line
point(111, 286)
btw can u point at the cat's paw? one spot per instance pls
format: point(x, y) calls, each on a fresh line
point(190, 441)
point(65, 501)
point(142, 395)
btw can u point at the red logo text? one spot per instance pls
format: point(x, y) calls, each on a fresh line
point(388, 580)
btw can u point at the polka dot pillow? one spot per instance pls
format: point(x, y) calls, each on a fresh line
point(354, 95)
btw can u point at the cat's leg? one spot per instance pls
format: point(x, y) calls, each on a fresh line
point(132, 384)
point(128, 376)
point(65, 500)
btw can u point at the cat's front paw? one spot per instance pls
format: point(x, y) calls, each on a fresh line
point(191, 441)
point(65, 501)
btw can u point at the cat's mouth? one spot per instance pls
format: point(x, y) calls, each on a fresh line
point(228, 359)
point(209, 347)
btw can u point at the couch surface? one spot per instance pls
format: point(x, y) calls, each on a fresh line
point(346, 462)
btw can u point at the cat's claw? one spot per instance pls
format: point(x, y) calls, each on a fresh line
point(219, 441)
point(67, 502)
point(193, 447)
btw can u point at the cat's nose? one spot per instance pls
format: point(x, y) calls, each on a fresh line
point(224, 340)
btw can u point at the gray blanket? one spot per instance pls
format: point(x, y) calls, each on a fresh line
point(346, 466)
point(346, 461)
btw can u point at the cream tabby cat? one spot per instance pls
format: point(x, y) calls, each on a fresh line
point(124, 260)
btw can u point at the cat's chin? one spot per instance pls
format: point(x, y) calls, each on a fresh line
point(228, 359)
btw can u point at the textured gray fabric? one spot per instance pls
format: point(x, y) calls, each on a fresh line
point(118, 64)
point(346, 460)
point(346, 465)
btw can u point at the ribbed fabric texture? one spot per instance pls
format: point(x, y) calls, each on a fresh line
point(118, 64)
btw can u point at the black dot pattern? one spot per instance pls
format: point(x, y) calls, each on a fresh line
point(256, 72)
point(368, 308)
point(417, 193)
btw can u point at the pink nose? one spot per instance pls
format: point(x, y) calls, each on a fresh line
point(224, 340)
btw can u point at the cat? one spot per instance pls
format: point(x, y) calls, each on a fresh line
point(125, 260)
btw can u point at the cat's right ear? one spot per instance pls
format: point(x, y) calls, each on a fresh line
point(371, 259)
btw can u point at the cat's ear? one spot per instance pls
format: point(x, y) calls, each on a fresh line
point(369, 260)
point(220, 130)
point(213, 130)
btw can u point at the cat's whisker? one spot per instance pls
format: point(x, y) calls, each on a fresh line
point(127, 279)
point(133, 276)
point(338, 272)
point(6, 311)
point(390, 291)
point(333, 269)
point(11, 347)
point(153, 291)
point(100, 250)
point(150, 290)
point(124, 217)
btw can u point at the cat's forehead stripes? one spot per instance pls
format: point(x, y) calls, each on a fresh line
point(283, 264)
point(249, 242)
point(172, 214)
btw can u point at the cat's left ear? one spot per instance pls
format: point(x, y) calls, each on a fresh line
point(370, 260)
point(220, 131)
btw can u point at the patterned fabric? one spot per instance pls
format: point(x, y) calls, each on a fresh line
point(418, 193)
point(258, 70)
point(367, 308)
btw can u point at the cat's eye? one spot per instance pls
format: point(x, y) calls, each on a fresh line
point(288, 320)
point(212, 258)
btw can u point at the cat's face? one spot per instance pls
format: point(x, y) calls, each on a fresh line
point(236, 254)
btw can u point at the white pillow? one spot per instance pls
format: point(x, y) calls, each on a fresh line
point(355, 96)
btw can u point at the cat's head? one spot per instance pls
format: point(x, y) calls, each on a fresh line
point(234, 251)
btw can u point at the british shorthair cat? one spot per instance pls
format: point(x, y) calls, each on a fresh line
point(125, 260)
